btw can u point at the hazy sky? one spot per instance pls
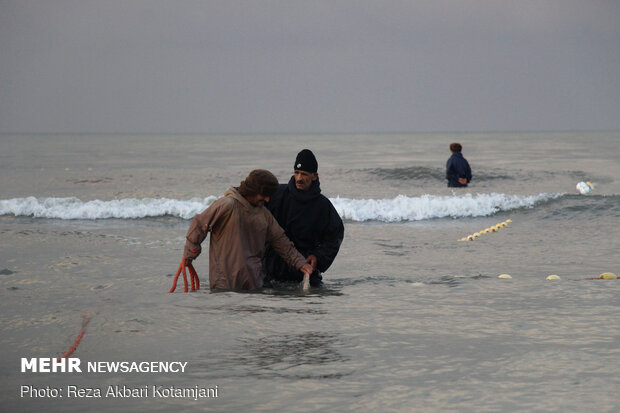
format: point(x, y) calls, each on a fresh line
point(154, 66)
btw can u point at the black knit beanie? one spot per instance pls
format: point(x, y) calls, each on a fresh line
point(306, 161)
point(259, 181)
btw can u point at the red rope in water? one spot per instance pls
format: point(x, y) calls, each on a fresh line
point(193, 275)
point(85, 320)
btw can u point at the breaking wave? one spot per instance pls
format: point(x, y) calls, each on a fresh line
point(128, 208)
point(398, 209)
point(403, 208)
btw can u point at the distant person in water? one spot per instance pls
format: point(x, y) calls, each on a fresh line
point(458, 172)
point(309, 220)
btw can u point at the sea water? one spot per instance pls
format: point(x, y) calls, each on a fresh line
point(410, 318)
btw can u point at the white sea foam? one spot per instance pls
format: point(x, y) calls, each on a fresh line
point(400, 208)
point(403, 208)
point(129, 208)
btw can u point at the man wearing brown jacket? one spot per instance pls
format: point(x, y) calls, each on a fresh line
point(240, 227)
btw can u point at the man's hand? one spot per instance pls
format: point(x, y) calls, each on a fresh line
point(307, 269)
point(312, 261)
point(463, 181)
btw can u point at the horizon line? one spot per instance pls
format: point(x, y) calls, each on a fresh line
point(469, 132)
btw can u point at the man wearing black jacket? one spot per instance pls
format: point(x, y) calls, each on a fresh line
point(309, 220)
point(458, 172)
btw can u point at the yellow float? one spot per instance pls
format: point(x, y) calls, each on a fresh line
point(608, 276)
point(492, 228)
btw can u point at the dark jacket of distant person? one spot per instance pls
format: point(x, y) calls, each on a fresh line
point(457, 168)
point(309, 220)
